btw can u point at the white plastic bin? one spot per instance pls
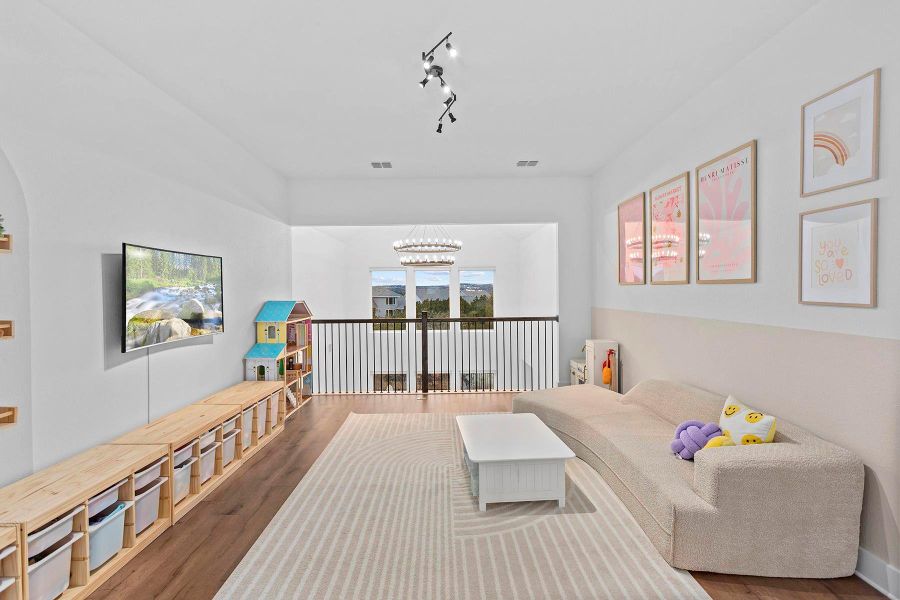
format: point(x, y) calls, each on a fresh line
point(182, 485)
point(6, 583)
point(247, 427)
point(208, 462)
point(261, 418)
point(184, 453)
point(7, 551)
point(146, 505)
point(229, 446)
point(104, 499)
point(49, 576)
point(148, 475)
point(208, 438)
point(229, 426)
point(106, 535)
point(47, 536)
point(273, 409)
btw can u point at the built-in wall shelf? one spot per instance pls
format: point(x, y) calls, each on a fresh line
point(8, 415)
point(7, 330)
point(5, 244)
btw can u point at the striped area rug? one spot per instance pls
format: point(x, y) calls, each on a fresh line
point(386, 513)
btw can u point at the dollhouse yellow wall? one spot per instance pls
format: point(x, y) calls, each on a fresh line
point(263, 337)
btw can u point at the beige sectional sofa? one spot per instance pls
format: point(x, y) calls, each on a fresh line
point(786, 509)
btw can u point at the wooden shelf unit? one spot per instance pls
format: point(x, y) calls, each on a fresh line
point(6, 245)
point(7, 330)
point(11, 565)
point(35, 501)
point(247, 395)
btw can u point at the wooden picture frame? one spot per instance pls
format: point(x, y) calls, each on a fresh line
point(832, 271)
point(670, 216)
point(632, 244)
point(849, 119)
point(732, 246)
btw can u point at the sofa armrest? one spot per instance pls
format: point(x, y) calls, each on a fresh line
point(772, 474)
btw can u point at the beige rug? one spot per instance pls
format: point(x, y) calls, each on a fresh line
point(386, 513)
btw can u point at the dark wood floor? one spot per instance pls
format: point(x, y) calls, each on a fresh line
point(193, 559)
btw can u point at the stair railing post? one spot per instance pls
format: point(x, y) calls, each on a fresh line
point(425, 352)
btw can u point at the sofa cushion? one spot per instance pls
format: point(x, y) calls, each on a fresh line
point(676, 402)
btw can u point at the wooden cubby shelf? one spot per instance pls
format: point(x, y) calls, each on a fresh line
point(10, 563)
point(6, 244)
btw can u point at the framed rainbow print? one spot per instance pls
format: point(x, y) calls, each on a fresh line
point(669, 231)
point(725, 246)
point(840, 136)
point(838, 255)
point(631, 241)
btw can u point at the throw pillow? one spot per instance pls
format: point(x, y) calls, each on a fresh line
point(745, 425)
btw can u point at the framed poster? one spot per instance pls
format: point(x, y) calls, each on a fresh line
point(839, 133)
point(838, 255)
point(669, 231)
point(631, 241)
point(726, 217)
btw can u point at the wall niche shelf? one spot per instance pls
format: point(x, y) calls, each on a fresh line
point(7, 330)
point(8, 415)
point(6, 244)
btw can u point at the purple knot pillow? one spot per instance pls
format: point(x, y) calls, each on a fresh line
point(692, 436)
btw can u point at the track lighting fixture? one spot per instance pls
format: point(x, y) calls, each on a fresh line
point(433, 70)
point(452, 118)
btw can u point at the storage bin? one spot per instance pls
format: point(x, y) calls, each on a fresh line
point(146, 505)
point(208, 462)
point(7, 551)
point(106, 534)
point(184, 453)
point(148, 475)
point(229, 446)
point(230, 425)
point(247, 427)
point(273, 409)
point(6, 583)
point(49, 576)
point(182, 484)
point(261, 418)
point(208, 438)
point(47, 536)
point(104, 499)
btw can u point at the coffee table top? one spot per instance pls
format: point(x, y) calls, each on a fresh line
point(510, 437)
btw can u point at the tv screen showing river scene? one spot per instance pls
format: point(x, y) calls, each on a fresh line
point(169, 296)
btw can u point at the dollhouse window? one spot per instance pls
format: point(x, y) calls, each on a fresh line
point(272, 334)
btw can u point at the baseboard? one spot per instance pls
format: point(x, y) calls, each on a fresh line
point(879, 574)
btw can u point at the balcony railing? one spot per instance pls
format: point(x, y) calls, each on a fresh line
point(365, 356)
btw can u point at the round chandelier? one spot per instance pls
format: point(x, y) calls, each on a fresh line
point(427, 245)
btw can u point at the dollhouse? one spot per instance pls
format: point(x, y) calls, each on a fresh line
point(283, 349)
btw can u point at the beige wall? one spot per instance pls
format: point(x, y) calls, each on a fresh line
point(844, 388)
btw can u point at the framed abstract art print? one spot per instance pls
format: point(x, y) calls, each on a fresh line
point(838, 255)
point(840, 136)
point(631, 241)
point(725, 245)
point(669, 231)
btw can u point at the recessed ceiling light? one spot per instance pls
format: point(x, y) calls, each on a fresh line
point(527, 163)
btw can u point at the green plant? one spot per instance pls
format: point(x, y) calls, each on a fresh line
point(2, 230)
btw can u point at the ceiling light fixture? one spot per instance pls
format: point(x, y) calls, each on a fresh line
point(452, 118)
point(432, 70)
point(427, 245)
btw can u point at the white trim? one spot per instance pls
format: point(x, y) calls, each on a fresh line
point(879, 574)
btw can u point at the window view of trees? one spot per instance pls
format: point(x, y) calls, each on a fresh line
point(476, 297)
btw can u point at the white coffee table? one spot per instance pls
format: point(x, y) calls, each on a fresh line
point(513, 458)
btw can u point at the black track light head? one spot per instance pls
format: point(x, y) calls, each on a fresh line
point(423, 83)
point(452, 118)
point(448, 101)
point(440, 128)
point(450, 49)
point(428, 62)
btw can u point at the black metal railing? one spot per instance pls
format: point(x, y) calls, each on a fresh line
point(425, 355)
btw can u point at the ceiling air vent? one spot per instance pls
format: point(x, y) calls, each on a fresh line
point(382, 165)
point(527, 163)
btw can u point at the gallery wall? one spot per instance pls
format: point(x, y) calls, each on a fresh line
point(832, 369)
point(103, 157)
point(390, 201)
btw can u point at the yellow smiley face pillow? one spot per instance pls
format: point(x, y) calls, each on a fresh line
point(745, 425)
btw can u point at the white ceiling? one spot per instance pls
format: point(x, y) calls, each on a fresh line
point(318, 89)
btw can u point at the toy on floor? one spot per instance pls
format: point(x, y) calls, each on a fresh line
point(692, 436)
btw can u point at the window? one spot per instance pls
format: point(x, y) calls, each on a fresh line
point(388, 298)
point(476, 381)
point(272, 334)
point(436, 382)
point(433, 293)
point(390, 301)
point(476, 297)
point(389, 382)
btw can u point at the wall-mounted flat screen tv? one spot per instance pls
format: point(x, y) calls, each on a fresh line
point(169, 296)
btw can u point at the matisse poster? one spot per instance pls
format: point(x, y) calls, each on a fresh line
point(726, 217)
point(837, 255)
point(631, 241)
point(669, 203)
point(840, 136)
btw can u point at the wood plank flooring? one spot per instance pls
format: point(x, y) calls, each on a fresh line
point(193, 559)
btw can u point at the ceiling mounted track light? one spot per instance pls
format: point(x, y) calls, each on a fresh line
point(432, 70)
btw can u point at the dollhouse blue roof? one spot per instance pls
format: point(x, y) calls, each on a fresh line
point(272, 351)
point(275, 311)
